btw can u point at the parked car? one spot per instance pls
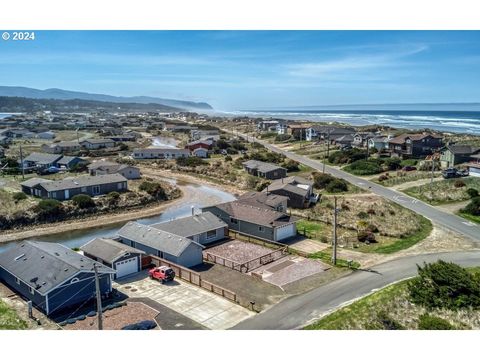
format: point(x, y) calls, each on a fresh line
point(142, 325)
point(345, 147)
point(50, 170)
point(463, 172)
point(450, 173)
point(409, 168)
point(162, 273)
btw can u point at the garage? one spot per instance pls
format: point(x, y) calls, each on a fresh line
point(126, 267)
point(123, 258)
point(285, 232)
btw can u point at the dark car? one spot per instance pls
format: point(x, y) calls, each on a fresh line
point(409, 168)
point(450, 173)
point(142, 325)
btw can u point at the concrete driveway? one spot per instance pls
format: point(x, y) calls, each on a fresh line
point(204, 307)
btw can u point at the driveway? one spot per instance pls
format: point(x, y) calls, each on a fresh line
point(203, 307)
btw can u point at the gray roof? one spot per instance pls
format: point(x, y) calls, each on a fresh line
point(462, 149)
point(294, 184)
point(42, 158)
point(261, 166)
point(34, 181)
point(262, 199)
point(45, 265)
point(102, 164)
point(67, 159)
point(255, 215)
point(108, 250)
point(81, 181)
point(155, 238)
point(97, 141)
point(191, 225)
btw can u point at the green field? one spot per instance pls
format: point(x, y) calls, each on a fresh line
point(9, 320)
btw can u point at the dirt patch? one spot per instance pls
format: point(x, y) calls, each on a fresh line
point(117, 318)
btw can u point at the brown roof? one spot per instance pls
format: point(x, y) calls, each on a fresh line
point(400, 139)
point(256, 215)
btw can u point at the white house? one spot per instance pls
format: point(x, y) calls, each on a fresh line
point(200, 152)
point(160, 153)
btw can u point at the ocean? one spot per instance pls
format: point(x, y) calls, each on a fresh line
point(446, 121)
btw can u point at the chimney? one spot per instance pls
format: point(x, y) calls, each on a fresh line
point(193, 210)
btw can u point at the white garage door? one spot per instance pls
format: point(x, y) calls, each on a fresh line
point(285, 232)
point(127, 267)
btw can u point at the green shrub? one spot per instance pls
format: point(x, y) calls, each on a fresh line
point(19, 196)
point(473, 193)
point(387, 322)
point(282, 137)
point(347, 156)
point(262, 185)
point(392, 163)
point(191, 161)
point(336, 186)
point(83, 201)
point(429, 322)
point(362, 215)
point(365, 236)
point(79, 167)
point(408, 162)
point(113, 195)
point(459, 183)
point(49, 207)
point(364, 167)
point(445, 285)
point(291, 165)
point(473, 207)
point(153, 188)
point(320, 180)
point(228, 158)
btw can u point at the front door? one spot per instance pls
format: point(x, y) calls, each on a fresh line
point(67, 194)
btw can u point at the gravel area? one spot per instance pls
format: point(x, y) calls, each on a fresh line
point(239, 251)
point(117, 318)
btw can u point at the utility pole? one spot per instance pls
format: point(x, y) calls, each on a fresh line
point(21, 162)
point(99, 298)
point(334, 250)
point(431, 177)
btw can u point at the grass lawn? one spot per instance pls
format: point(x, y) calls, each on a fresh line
point(326, 257)
point(472, 218)
point(312, 229)
point(424, 230)
point(9, 320)
point(444, 192)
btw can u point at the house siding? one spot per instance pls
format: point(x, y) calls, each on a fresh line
point(60, 194)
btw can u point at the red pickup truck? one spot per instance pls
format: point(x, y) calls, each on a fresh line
point(162, 273)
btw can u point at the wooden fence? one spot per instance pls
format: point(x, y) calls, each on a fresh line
point(195, 278)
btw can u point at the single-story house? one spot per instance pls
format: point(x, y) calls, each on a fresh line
point(298, 190)
point(203, 228)
point(67, 188)
point(474, 169)
point(41, 160)
point(95, 144)
point(258, 222)
point(52, 276)
point(203, 144)
point(160, 153)
point(200, 152)
point(266, 170)
point(453, 154)
point(166, 245)
point(264, 199)
point(29, 185)
point(46, 135)
point(61, 147)
point(70, 161)
point(108, 167)
point(343, 140)
point(120, 257)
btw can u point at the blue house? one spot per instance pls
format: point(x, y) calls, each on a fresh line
point(54, 277)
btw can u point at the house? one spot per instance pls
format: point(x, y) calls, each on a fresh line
point(168, 246)
point(204, 134)
point(28, 185)
point(414, 145)
point(255, 221)
point(52, 276)
point(201, 153)
point(123, 138)
point(200, 144)
point(96, 144)
point(160, 153)
point(40, 160)
point(70, 161)
point(343, 140)
point(265, 170)
point(124, 259)
point(332, 133)
point(453, 154)
point(298, 190)
point(103, 167)
point(298, 132)
point(264, 199)
point(5, 140)
point(474, 169)
point(379, 142)
point(67, 188)
point(203, 228)
point(360, 139)
point(61, 147)
point(268, 125)
point(46, 135)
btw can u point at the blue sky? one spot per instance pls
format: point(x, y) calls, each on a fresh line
point(235, 70)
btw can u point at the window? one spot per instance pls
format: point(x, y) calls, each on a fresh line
point(84, 189)
point(119, 186)
point(17, 280)
point(54, 194)
point(96, 189)
point(32, 291)
point(260, 228)
point(211, 234)
point(233, 221)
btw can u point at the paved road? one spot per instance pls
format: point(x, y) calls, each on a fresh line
point(450, 221)
point(298, 311)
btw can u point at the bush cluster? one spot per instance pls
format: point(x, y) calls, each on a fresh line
point(329, 183)
point(154, 189)
point(83, 201)
point(191, 161)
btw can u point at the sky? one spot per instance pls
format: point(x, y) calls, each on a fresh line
point(239, 70)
